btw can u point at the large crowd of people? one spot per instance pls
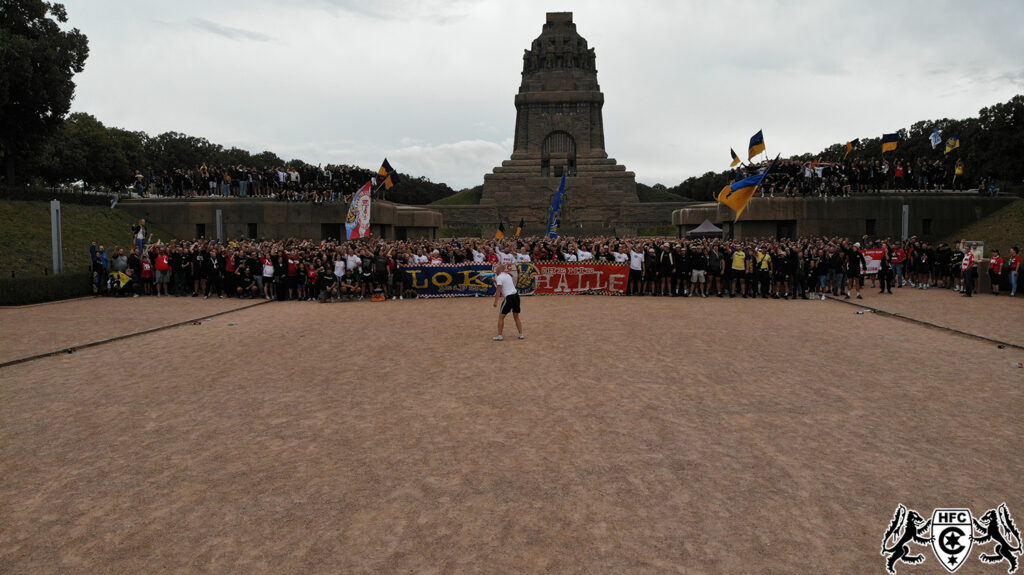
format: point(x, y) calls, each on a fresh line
point(302, 183)
point(298, 269)
point(792, 178)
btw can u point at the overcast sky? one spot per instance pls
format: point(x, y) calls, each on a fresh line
point(430, 83)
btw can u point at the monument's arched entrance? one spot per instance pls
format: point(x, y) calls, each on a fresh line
point(561, 147)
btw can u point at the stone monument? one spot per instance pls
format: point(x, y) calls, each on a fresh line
point(559, 130)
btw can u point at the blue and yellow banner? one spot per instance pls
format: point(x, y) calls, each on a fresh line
point(890, 142)
point(737, 195)
point(555, 213)
point(756, 145)
point(449, 280)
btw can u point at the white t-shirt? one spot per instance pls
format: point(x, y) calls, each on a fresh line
point(583, 255)
point(420, 259)
point(479, 257)
point(339, 268)
point(636, 260)
point(569, 256)
point(506, 284)
point(505, 258)
point(620, 258)
point(522, 257)
point(352, 262)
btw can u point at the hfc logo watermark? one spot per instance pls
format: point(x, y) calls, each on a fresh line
point(952, 533)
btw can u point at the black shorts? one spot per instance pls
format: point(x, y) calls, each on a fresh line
point(511, 304)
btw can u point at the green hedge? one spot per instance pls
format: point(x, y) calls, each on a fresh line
point(22, 291)
point(657, 231)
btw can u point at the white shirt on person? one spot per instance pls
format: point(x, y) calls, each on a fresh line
point(420, 259)
point(636, 260)
point(479, 257)
point(569, 256)
point(506, 284)
point(505, 258)
point(620, 257)
point(352, 262)
point(584, 255)
point(339, 267)
point(522, 257)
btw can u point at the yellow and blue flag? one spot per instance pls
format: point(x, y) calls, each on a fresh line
point(388, 172)
point(952, 144)
point(519, 229)
point(851, 145)
point(737, 195)
point(756, 145)
point(735, 158)
point(890, 142)
point(500, 232)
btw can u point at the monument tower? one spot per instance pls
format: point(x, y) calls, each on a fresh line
point(560, 130)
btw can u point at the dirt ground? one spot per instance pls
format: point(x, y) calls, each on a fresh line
point(34, 329)
point(624, 435)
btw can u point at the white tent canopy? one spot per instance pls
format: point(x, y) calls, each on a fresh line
point(705, 230)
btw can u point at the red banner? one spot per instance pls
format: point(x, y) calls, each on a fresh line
point(573, 278)
point(873, 258)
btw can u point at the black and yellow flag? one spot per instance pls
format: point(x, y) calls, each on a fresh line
point(500, 234)
point(519, 230)
point(388, 172)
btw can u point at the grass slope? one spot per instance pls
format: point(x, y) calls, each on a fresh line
point(1000, 230)
point(470, 197)
point(25, 235)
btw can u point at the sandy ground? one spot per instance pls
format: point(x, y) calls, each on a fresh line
point(624, 435)
point(998, 317)
point(29, 330)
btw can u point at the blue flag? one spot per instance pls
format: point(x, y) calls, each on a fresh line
point(555, 214)
point(935, 139)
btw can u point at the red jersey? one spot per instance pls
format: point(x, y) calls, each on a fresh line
point(163, 263)
point(995, 264)
point(968, 261)
point(1015, 263)
point(899, 256)
point(147, 270)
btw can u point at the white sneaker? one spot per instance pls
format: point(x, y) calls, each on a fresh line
point(497, 338)
point(521, 336)
point(822, 297)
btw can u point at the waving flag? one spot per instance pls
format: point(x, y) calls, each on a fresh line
point(357, 224)
point(519, 230)
point(890, 142)
point(952, 144)
point(738, 195)
point(499, 234)
point(756, 145)
point(555, 213)
point(735, 158)
point(935, 139)
point(851, 145)
point(387, 171)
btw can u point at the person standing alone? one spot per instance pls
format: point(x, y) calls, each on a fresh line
point(505, 289)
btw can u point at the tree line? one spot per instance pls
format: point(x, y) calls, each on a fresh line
point(990, 146)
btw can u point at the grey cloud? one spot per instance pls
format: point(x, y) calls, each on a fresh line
point(437, 11)
point(228, 32)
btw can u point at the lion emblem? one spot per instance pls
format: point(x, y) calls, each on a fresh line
point(914, 527)
point(997, 525)
point(525, 275)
